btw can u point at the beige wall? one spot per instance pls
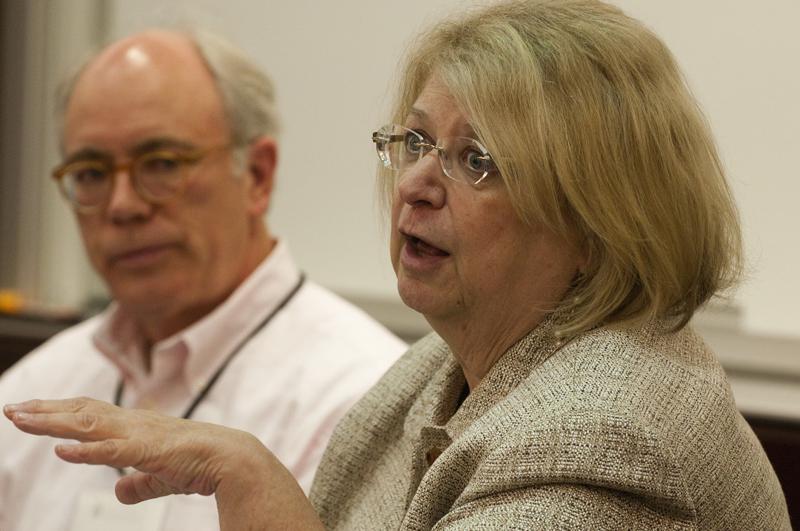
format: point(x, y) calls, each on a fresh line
point(742, 60)
point(333, 63)
point(41, 251)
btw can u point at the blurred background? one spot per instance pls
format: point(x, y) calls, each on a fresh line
point(333, 64)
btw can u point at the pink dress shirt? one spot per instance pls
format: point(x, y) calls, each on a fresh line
point(289, 384)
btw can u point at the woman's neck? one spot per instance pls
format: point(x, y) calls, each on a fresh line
point(478, 343)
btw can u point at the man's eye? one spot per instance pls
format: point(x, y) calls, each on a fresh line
point(89, 176)
point(160, 164)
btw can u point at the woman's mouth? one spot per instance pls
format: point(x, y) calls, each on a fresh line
point(423, 248)
point(420, 256)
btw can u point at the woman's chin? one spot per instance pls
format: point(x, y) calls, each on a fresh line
point(430, 301)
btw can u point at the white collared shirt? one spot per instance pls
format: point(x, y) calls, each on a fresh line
point(289, 384)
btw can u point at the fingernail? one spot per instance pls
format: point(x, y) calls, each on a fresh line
point(19, 416)
point(10, 408)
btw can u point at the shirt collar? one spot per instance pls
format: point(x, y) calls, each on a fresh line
point(206, 344)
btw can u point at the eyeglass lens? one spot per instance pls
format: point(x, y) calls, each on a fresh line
point(461, 158)
point(156, 176)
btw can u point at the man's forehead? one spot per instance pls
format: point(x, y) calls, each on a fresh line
point(146, 145)
point(146, 49)
point(151, 84)
point(148, 58)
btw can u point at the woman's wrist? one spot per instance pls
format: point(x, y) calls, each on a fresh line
point(255, 491)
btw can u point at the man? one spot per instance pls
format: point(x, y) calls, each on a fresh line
point(170, 155)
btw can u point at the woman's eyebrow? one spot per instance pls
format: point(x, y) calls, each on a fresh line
point(417, 112)
point(465, 130)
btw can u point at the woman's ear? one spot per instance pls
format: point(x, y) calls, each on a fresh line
point(262, 160)
point(584, 255)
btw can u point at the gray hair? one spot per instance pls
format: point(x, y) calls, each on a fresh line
point(248, 94)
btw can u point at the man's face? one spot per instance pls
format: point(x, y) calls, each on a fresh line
point(180, 258)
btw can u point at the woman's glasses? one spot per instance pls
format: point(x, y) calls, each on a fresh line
point(462, 159)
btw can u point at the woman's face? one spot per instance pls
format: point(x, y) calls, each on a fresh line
point(460, 253)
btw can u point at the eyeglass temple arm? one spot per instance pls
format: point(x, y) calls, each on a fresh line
point(381, 138)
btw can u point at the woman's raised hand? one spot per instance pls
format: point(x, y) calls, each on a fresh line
point(171, 455)
point(174, 456)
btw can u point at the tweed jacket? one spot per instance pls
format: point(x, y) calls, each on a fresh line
point(616, 429)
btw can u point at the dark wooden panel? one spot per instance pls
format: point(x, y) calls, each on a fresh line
point(20, 334)
point(781, 441)
point(13, 348)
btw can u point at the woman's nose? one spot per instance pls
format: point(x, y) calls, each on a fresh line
point(423, 183)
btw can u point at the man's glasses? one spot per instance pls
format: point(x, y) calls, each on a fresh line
point(462, 159)
point(156, 176)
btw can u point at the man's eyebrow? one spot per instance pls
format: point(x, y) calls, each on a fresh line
point(88, 153)
point(155, 144)
point(146, 146)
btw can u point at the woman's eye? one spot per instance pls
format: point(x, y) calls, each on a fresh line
point(413, 143)
point(477, 162)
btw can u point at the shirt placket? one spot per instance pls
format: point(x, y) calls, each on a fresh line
point(164, 389)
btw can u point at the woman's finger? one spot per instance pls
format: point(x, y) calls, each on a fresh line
point(119, 453)
point(84, 425)
point(139, 487)
point(149, 458)
point(82, 419)
point(69, 405)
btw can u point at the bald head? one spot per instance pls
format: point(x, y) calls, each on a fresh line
point(145, 49)
point(151, 61)
point(246, 92)
point(156, 83)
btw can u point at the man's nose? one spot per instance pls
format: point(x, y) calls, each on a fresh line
point(126, 203)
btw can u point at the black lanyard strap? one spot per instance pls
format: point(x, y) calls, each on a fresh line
point(210, 383)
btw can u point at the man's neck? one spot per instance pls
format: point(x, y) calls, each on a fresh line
point(159, 325)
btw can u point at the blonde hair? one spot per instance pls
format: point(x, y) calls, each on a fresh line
point(597, 138)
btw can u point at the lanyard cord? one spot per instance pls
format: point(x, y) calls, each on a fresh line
point(204, 392)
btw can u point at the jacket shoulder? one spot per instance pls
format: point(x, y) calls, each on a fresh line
point(640, 412)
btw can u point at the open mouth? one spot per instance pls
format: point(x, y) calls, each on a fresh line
point(423, 248)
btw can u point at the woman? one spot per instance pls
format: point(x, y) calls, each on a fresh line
point(558, 214)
